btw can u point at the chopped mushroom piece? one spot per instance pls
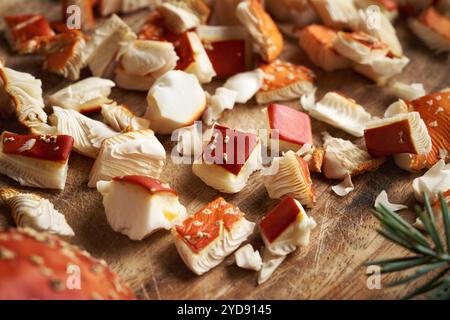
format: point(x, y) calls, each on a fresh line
point(291, 177)
point(284, 81)
point(403, 133)
point(143, 63)
point(120, 118)
point(30, 210)
point(41, 261)
point(222, 100)
point(85, 96)
point(388, 7)
point(262, 28)
point(407, 91)
point(345, 187)
point(183, 15)
point(107, 7)
point(433, 29)
point(246, 84)
point(88, 134)
point(229, 159)
point(27, 33)
point(248, 258)
point(382, 199)
point(131, 153)
point(138, 206)
point(172, 90)
point(270, 263)
point(342, 157)
point(318, 43)
point(435, 180)
point(340, 14)
point(206, 238)
point(36, 160)
point(338, 111)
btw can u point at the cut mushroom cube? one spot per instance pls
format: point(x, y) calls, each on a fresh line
point(284, 81)
point(32, 211)
point(262, 28)
point(404, 133)
point(138, 206)
point(292, 178)
point(291, 127)
point(286, 227)
point(228, 159)
point(206, 238)
point(175, 100)
point(318, 43)
point(183, 15)
point(36, 160)
point(245, 84)
point(120, 118)
point(340, 14)
point(132, 153)
point(247, 258)
point(85, 96)
point(222, 100)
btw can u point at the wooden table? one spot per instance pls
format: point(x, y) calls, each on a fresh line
point(331, 267)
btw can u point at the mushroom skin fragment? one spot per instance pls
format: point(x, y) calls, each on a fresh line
point(262, 28)
point(404, 133)
point(120, 118)
point(229, 159)
point(435, 180)
point(292, 178)
point(36, 160)
point(85, 96)
point(168, 93)
point(131, 153)
point(408, 92)
point(206, 238)
point(286, 227)
point(40, 261)
point(32, 211)
point(138, 206)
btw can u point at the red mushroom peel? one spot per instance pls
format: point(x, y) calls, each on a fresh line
point(293, 127)
point(206, 238)
point(405, 133)
point(40, 266)
point(229, 159)
point(27, 33)
point(149, 184)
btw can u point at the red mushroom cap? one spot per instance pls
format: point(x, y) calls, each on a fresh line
point(41, 266)
point(150, 184)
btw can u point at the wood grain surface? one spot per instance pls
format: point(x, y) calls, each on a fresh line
point(331, 267)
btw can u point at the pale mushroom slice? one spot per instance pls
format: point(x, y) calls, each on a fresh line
point(248, 258)
point(342, 157)
point(345, 187)
point(183, 15)
point(382, 199)
point(435, 180)
point(32, 211)
point(228, 47)
point(433, 29)
point(107, 7)
point(284, 81)
point(338, 111)
point(143, 63)
point(223, 99)
point(381, 70)
point(138, 206)
point(168, 93)
point(120, 118)
point(389, 8)
point(108, 42)
point(229, 159)
point(201, 65)
point(396, 108)
point(206, 238)
point(88, 134)
point(262, 28)
point(403, 133)
point(407, 91)
point(318, 43)
point(132, 153)
point(383, 31)
point(340, 14)
point(64, 54)
point(39, 161)
point(21, 93)
point(270, 263)
point(286, 227)
point(291, 177)
point(246, 84)
point(85, 96)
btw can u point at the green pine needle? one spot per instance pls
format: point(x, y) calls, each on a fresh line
point(432, 256)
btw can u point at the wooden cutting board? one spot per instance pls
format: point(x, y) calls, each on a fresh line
point(331, 267)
